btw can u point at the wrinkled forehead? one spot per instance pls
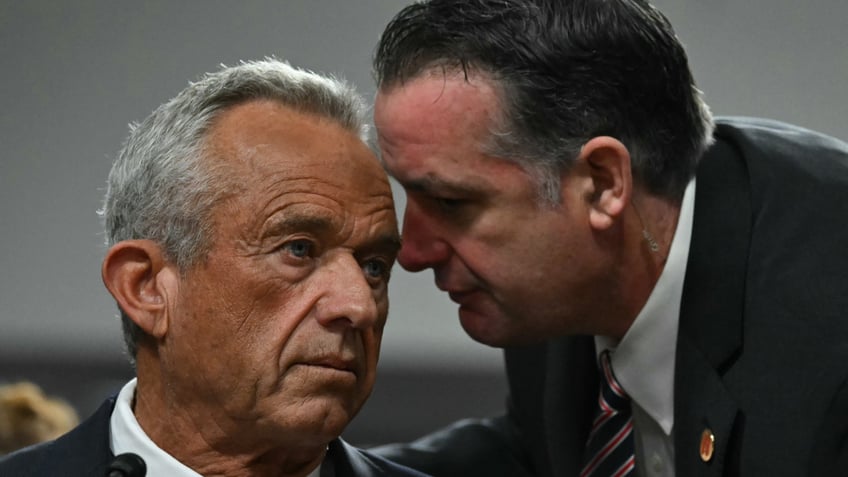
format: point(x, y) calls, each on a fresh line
point(263, 137)
point(276, 158)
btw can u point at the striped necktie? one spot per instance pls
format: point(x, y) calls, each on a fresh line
point(609, 449)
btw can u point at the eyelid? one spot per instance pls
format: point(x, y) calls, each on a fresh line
point(449, 202)
point(286, 245)
point(382, 261)
point(385, 262)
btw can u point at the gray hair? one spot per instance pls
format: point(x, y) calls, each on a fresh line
point(159, 187)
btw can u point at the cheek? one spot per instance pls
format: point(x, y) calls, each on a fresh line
point(278, 316)
point(492, 264)
point(514, 261)
point(382, 312)
point(371, 339)
point(252, 319)
point(268, 293)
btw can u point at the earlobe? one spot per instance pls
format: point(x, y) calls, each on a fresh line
point(138, 277)
point(608, 162)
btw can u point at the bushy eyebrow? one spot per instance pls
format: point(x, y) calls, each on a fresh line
point(387, 243)
point(299, 222)
point(434, 184)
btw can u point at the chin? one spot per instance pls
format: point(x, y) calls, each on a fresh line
point(322, 420)
point(495, 330)
point(483, 328)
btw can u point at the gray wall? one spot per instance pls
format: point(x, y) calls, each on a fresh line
point(75, 73)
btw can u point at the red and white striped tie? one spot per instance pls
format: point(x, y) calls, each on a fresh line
point(609, 449)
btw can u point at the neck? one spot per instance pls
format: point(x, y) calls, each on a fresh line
point(648, 225)
point(657, 219)
point(208, 441)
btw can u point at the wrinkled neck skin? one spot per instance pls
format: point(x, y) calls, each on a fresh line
point(210, 444)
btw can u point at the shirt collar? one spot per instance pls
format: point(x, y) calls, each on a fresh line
point(126, 435)
point(643, 361)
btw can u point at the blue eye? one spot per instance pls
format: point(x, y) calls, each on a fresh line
point(298, 248)
point(376, 268)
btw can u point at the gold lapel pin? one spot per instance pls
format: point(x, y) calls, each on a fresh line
point(707, 445)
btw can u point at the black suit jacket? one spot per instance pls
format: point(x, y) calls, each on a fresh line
point(85, 452)
point(762, 348)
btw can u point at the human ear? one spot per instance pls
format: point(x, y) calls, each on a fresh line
point(608, 168)
point(142, 282)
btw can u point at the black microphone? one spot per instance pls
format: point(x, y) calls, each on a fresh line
point(127, 465)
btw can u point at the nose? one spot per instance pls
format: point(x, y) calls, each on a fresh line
point(348, 297)
point(422, 247)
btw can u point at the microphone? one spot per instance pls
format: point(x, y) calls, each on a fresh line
point(127, 465)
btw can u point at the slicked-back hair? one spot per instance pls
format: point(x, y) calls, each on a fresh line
point(566, 71)
point(160, 188)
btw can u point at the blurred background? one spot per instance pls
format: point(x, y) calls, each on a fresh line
point(75, 73)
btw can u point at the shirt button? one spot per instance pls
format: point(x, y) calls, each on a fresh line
point(657, 463)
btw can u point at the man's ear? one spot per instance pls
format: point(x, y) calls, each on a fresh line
point(142, 282)
point(607, 165)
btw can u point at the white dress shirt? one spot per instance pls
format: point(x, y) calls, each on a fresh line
point(126, 435)
point(643, 361)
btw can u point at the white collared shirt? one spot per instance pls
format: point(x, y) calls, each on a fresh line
point(126, 435)
point(643, 361)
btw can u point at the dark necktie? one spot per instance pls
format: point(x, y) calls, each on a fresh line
point(609, 449)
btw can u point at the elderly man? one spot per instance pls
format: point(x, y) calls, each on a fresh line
point(670, 291)
point(251, 234)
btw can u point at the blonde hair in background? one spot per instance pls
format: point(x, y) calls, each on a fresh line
point(28, 417)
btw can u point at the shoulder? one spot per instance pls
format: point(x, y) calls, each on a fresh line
point(82, 451)
point(30, 461)
point(774, 167)
point(754, 128)
point(777, 142)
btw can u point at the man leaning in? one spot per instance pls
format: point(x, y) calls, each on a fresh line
point(670, 290)
point(251, 235)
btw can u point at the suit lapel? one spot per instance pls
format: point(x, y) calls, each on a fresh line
point(340, 462)
point(571, 389)
point(344, 460)
point(711, 316)
point(708, 408)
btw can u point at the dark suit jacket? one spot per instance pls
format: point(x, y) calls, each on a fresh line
point(762, 349)
point(85, 452)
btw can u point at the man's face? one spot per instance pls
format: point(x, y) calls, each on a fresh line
point(520, 270)
point(278, 331)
